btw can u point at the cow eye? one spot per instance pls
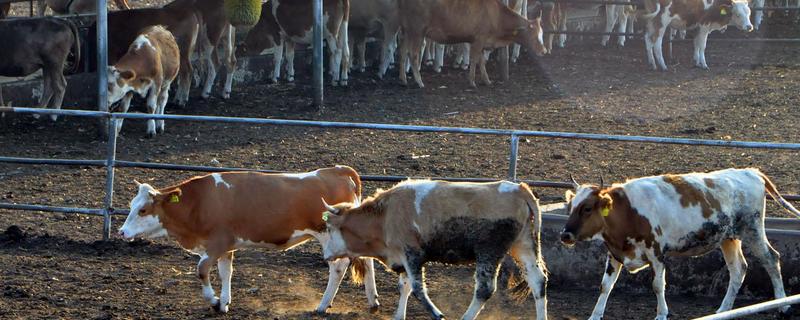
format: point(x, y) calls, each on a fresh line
point(141, 210)
point(587, 209)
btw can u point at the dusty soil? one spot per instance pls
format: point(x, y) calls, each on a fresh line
point(54, 269)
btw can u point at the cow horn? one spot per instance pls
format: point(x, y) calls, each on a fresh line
point(575, 184)
point(137, 182)
point(328, 207)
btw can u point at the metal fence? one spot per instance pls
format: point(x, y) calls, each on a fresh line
point(110, 162)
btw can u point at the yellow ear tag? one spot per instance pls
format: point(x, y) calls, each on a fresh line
point(174, 199)
point(515, 32)
point(604, 212)
point(723, 12)
point(325, 216)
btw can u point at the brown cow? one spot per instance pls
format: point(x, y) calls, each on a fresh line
point(179, 17)
point(214, 215)
point(377, 18)
point(263, 38)
point(482, 23)
point(418, 221)
point(705, 16)
point(76, 6)
point(41, 43)
point(218, 31)
point(149, 67)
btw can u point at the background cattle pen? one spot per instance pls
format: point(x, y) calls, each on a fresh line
point(583, 110)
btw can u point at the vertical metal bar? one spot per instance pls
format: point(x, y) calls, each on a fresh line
point(31, 8)
point(669, 44)
point(317, 80)
point(504, 61)
point(512, 159)
point(111, 158)
point(102, 59)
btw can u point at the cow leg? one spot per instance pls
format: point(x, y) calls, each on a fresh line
point(211, 71)
point(203, 271)
point(184, 80)
point(482, 63)
point(622, 25)
point(277, 59)
point(465, 51)
point(562, 26)
point(125, 104)
point(405, 50)
point(290, 46)
point(649, 39)
point(659, 284)
point(152, 108)
point(336, 272)
point(439, 62)
point(335, 57)
point(525, 252)
point(163, 97)
point(225, 269)
point(759, 15)
point(416, 61)
point(404, 285)
point(369, 285)
point(58, 85)
point(658, 49)
point(476, 57)
point(230, 59)
point(344, 54)
point(769, 258)
point(613, 268)
point(387, 53)
point(700, 48)
point(47, 92)
point(612, 13)
point(416, 275)
point(485, 286)
point(737, 268)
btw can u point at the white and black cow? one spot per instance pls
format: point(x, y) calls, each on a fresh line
point(643, 220)
point(418, 221)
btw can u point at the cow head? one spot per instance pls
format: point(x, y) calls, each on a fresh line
point(587, 207)
point(120, 82)
point(143, 219)
point(739, 13)
point(531, 36)
point(352, 232)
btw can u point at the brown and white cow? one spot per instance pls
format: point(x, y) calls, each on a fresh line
point(418, 221)
point(643, 220)
point(296, 22)
point(485, 24)
point(214, 215)
point(217, 31)
point(149, 67)
point(704, 15)
point(76, 6)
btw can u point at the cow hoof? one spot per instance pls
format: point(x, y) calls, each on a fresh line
point(437, 69)
point(662, 317)
point(343, 83)
point(218, 307)
point(374, 309)
point(150, 135)
point(226, 95)
point(362, 70)
point(290, 79)
point(53, 117)
point(274, 81)
point(204, 96)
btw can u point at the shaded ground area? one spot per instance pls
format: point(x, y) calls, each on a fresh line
point(749, 94)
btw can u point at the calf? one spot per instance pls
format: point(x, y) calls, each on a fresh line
point(40, 43)
point(704, 15)
point(374, 17)
point(643, 220)
point(218, 31)
point(296, 23)
point(214, 215)
point(263, 38)
point(179, 17)
point(482, 23)
point(149, 67)
point(76, 6)
point(420, 221)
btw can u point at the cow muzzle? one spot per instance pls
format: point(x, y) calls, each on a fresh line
point(568, 238)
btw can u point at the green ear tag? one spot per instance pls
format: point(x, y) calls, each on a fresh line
point(723, 12)
point(325, 216)
point(174, 199)
point(604, 212)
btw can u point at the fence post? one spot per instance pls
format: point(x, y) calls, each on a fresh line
point(317, 54)
point(111, 156)
point(512, 160)
point(102, 62)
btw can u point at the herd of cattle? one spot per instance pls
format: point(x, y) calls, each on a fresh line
point(641, 221)
point(423, 28)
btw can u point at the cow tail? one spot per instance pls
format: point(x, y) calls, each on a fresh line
point(517, 284)
point(773, 192)
point(643, 14)
point(76, 46)
point(358, 268)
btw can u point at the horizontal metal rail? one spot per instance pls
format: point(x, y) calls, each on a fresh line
point(621, 2)
point(775, 8)
point(36, 207)
point(753, 309)
point(418, 128)
point(767, 40)
point(66, 162)
point(595, 33)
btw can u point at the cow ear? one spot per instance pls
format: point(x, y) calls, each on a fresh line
point(127, 75)
point(173, 196)
point(569, 195)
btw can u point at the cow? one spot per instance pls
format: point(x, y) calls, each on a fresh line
point(687, 15)
point(419, 221)
point(263, 38)
point(217, 31)
point(214, 215)
point(374, 18)
point(40, 43)
point(456, 21)
point(643, 220)
point(179, 17)
point(149, 67)
point(296, 23)
point(76, 6)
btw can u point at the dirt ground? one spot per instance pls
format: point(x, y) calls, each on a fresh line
point(55, 269)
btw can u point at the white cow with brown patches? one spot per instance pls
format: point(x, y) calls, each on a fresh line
point(214, 215)
point(643, 220)
point(149, 67)
point(418, 221)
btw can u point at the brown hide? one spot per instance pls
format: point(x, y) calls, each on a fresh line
point(157, 62)
point(262, 208)
point(264, 35)
point(295, 20)
point(692, 12)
